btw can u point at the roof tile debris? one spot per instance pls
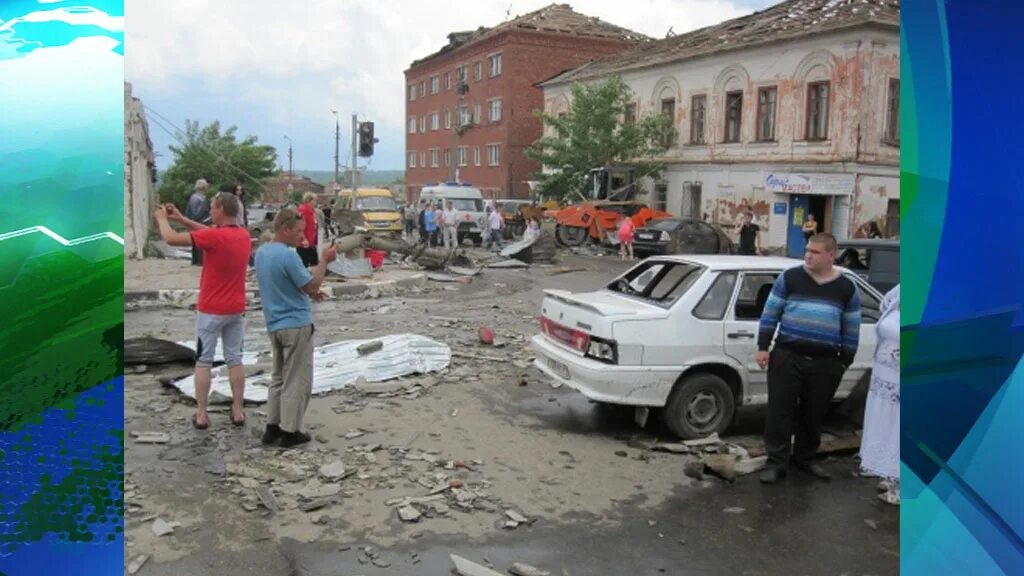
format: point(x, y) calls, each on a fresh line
point(552, 19)
point(787, 20)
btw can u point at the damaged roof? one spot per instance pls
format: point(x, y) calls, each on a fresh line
point(552, 19)
point(784, 21)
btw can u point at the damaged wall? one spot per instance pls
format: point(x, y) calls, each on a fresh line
point(859, 64)
point(139, 177)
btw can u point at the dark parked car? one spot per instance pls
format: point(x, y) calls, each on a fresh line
point(875, 260)
point(680, 236)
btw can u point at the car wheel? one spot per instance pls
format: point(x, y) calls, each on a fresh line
point(700, 404)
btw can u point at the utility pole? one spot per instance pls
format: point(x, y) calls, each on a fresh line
point(289, 159)
point(355, 145)
point(337, 138)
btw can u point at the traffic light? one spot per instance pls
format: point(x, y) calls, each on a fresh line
point(366, 139)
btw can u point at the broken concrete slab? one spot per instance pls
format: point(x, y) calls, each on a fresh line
point(516, 517)
point(708, 441)
point(409, 514)
point(151, 437)
point(314, 490)
point(333, 471)
point(162, 528)
point(378, 387)
point(464, 271)
point(673, 447)
point(135, 565)
point(734, 510)
point(508, 264)
point(267, 498)
point(521, 569)
point(466, 568)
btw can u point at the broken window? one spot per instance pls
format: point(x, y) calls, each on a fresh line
point(766, 99)
point(629, 115)
point(733, 116)
point(668, 108)
point(817, 111)
point(657, 281)
point(754, 291)
point(714, 303)
point(892, 127)
point(697, 115)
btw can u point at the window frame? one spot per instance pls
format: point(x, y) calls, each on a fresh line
point(495, 158)
point(698, 136)
point(447, 81)
point(491, 108)
point(412, 159)
point(494, 63)
point(412, 125)
point(812, 87)
point(729, 96)
point(478, 71)
point(435, 157)
point(476, 156)
point(892, 114)
point(733, 275)
point(412, 92)
point(435, 84)
point(462, 156)
point(770, 116)
point(629, 115)
point(668, 142)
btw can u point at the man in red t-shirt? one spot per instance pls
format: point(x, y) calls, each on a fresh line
point(221, 306)
point(307, 249)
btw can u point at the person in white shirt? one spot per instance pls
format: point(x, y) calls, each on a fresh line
point(450, 226)
point(532, 229)
point(495, 222)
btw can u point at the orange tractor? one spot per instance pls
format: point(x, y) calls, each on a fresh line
point(612, 192)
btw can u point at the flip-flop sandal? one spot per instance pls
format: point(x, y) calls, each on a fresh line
point(238, 422)
point(199, 426)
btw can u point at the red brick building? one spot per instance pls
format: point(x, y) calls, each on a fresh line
point(484, 81)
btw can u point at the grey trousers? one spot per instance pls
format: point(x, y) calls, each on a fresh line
point(291, 381)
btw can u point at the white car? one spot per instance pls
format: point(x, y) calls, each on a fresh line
point(679, 333)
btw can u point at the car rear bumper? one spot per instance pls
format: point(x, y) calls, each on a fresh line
point(629, 385)
point(650, 247)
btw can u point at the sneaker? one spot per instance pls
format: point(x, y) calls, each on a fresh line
point(272, 433)
point(771, 475)
point(289, 439)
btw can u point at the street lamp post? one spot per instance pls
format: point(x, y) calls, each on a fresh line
point(289, 159)
point(337, 139)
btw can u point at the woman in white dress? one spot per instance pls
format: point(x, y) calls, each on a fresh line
point(880, 445)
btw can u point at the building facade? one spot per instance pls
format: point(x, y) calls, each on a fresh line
point(787, 112)
point(470, 106)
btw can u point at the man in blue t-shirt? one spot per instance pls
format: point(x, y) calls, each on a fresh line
point(430, 224)
point(286, 287)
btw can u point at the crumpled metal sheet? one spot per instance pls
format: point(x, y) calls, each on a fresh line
point(337, 365)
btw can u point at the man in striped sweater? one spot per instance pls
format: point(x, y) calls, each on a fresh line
point(816, 311)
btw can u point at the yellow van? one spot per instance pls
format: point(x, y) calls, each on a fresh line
point(368, 209)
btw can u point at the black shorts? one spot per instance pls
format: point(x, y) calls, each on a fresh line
point(309, 256)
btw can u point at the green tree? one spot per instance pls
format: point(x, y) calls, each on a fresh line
point(593, 134)
point(220, 158)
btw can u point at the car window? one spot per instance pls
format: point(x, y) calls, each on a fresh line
point(754, 290)
point(468, 204)
point(667, 224)
point(380, 203)
point(660, 282)
point(870, 307)
point(714, 303)
point(884, 261)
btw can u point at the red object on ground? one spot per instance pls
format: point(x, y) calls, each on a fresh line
point(376, 258)
point(486, 335)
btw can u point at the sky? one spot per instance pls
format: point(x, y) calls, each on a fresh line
point(277, 69)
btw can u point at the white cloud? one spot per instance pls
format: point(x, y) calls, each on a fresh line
point(292, 64)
